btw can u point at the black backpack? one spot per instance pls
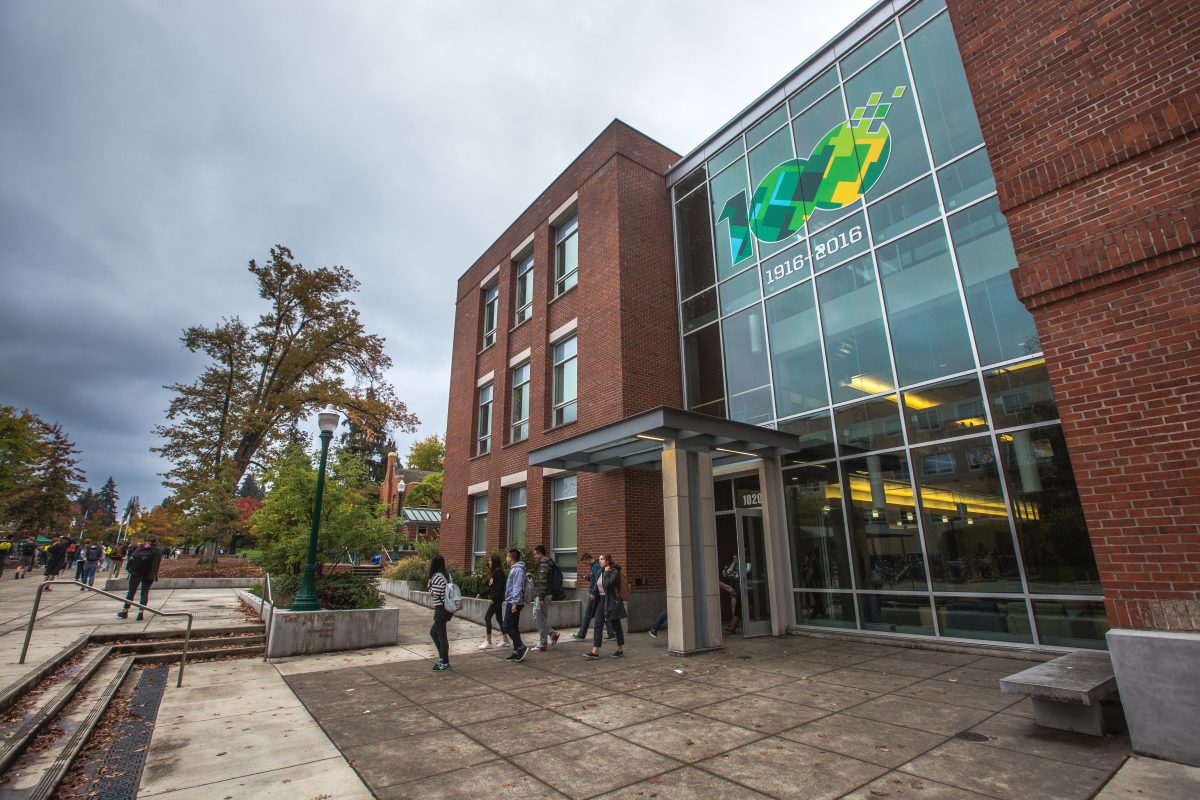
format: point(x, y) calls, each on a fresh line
point(140, 560)
point(93, 552)
point(556, 581)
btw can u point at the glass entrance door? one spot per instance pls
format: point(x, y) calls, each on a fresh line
point(752, 565)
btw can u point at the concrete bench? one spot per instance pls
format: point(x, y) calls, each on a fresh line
point(1067, 692)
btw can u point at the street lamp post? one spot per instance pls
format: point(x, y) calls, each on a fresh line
point(306, 598)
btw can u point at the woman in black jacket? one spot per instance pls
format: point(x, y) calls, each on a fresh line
point(438, 578)
point(496, 581)
point(609, 606)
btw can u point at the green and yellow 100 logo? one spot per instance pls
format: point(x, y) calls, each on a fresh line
point(843, 167)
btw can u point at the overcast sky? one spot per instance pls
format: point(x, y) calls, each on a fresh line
point(148, 150)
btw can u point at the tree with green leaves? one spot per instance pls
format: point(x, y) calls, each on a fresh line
point(108, 500)
point(250, 488)
point(351, 514)
point(426, 493)
point(307, 350)
point(370, 445)
point(43, 503)
point(428, 454)
point(21, 450)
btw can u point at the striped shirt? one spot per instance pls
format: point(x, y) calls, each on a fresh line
point(437, 588)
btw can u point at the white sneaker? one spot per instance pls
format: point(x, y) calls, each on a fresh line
point(485, 645)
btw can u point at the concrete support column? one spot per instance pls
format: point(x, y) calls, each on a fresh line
point(779, 573)
point(690, 531)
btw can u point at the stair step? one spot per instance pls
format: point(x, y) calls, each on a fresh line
point(18, 689)
point(197, 633)
point(200, 655)
point(176, 645)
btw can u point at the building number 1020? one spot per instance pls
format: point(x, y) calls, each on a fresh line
point(820, 251)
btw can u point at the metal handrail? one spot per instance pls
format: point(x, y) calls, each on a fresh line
point(37, 601)
point(270, 600)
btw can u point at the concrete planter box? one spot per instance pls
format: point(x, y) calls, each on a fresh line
point(295, 633)
point(564, 614)
point(122, 584)
point(1158, 677)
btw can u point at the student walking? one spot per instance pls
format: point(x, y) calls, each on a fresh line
point(80, 557)
point(543, 590)
point(514, 601)
point(26, 554)
point(56, 559)
point(116, 557)
point(496, 586)
point(143, 572)
point(92, 554)
point(439, 576)
point(658, 623)
point(609, 606)
point(590, 611)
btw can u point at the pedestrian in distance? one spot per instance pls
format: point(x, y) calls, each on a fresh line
point(6, 548)
point(56, 559)
point(610, 592)
point(546, 575)
point(590, 612)
point(79, 556)
point(26, 554)
point(439, 579)
point(143, 572)
point(117, 557)
point(496, 586)
point(658, 623)
point(514, 601)
point(92, 554)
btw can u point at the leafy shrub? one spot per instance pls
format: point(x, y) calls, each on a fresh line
point(411, 568)
point(335, 592)
point(427, 549)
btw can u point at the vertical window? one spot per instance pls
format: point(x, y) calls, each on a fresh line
point(479, 526)
point(565, 511)
point(523, 286)
point(491, 302)
point(484, 433)
point(517, 500)
point(566, 379)
point(566, 255)
point(520, 403)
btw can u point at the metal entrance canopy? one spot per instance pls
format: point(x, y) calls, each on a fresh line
point(637, 441)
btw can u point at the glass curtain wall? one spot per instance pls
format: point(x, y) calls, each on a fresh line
point(843, 270)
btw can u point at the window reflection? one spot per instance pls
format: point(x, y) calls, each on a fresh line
point(942, 86)
point(693, 236)
point(896, 614)
point(883, 521)
point(873, 425)
point(816, 438)
point(1020, 394)
point(855, 344)
point(703, 373)
point(967, 179)
point(1063, 623)
point(994, 619)
point(953, 408)
point(814, 512)
point(747, 373)
point(825, 609)
point(796, 351)
point(908, 158)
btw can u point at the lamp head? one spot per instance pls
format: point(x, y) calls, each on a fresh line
point(328, 420)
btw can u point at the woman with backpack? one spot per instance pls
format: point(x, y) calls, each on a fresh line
point(496, 583)
point(143, 572)
point(609, 593)
point(439, 579)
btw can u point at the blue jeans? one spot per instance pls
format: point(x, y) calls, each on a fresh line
point(588, 614)
point(89, 572)
point(658, 623)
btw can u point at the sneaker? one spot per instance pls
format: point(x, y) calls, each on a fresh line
point(590, 656)
point(47, 589)
point(140, 617)
point(575, 637)
point(485, 646)
point(122, 615)
point(539, 648)
point(441, 666)
point(618, 654)
point(554, 638)
point(653, 634)
point(524, 652)
point(513, 657)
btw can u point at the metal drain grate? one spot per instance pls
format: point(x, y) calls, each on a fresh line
point(121, 771)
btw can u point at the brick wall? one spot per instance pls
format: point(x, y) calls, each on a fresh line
point(1090, 118)
point(628, 353)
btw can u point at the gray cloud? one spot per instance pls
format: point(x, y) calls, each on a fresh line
point(150, 149)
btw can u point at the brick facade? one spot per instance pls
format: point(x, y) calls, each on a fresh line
point(1090, 118)
point(628, 338)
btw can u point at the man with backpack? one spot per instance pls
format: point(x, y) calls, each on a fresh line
point(116, 557)
point(26, 555)
point(547, 584)
point(143, 572)
point(514, 601)
point(92, 553)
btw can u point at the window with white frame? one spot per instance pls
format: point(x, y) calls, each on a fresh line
point(523, 289)
point(517, 501)
point(520, 403)
point(566, 255)
point(566, 380)
point(564, 499)
point(484, 431)
point(479, 514)
point(491, 306)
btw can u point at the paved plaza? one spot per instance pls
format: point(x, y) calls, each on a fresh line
point(799, 717)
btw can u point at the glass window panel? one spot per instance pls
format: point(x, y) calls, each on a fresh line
point(725, 188)
point(723, 494)
point(747, 373)
point(919, 13)
point(699, 311)
point(1055, 547)
point(873, 425)
point(771, 153)
point(796, 351)
point(740, 292)
point(524, 289)
point(484, 430)
point(727, 156)
point(1020, 394)
point(491, 302)
point(954, 408)
point(1004, 328)
point(883, 523)
point(942, 87)
point(993, 619)
point(566, 255)
point(786, 269)
point(904, 210)
point(967, 535)
point(517, 500)
point(929, 332)
point(967, 179)
point(768, 126)
point(825, 609)
point(896, 614)
point(520, 403)
point(869, 49)
point(855, 343)
point(1066, 623)
point(693, 179)
point(694, 243)
point(703, 371)
point(479, 524)
point(816, 438)
point(837, 243)
point(815, 88)
point(908, 158)
point(565, 519)
point(566, 380)
point(813, 496)
point(808, 130)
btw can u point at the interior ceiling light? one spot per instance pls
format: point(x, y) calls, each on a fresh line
point(736, 452)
